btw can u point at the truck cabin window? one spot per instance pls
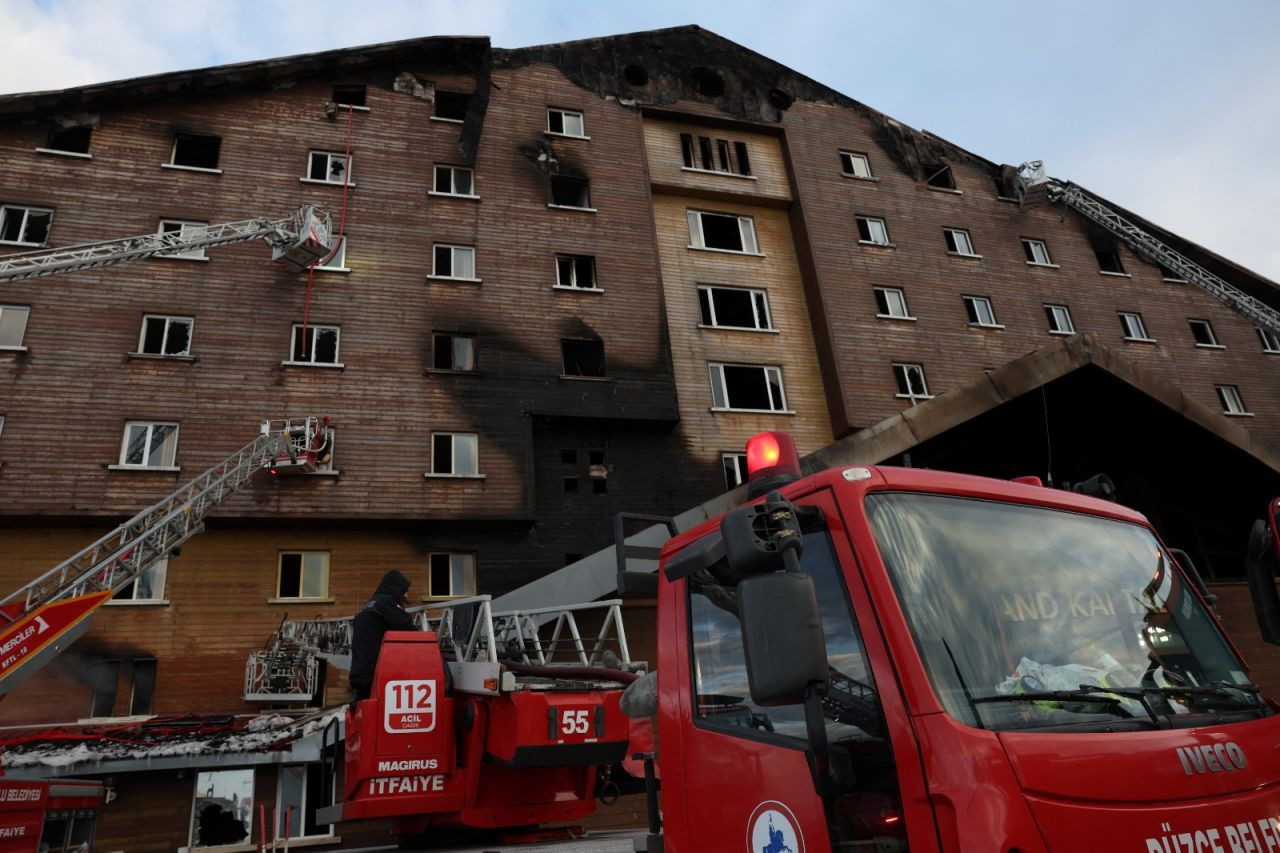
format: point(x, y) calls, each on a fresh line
point(1008, 601)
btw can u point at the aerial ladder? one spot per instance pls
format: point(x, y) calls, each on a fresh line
point(1145, 245)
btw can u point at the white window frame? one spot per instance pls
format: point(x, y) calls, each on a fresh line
point(7, 210)
point(158, 572)
point(452, 182)
point(173, 154)
point(348, 162)
point(720, 392)
point(455, 251)
point(299, 816)
point(22, 311)
point(956, 237)
point(758, 297)
point(564, 115)
point(1059, 317)
point(467, 561)
point(902, 376)
point(573, 273)
point(1135, 329)
point(337, 263)
point(469, 437)
point(1038, 251)
point(888, 313)
point(973, 305)
point(849, 162)
point(1232, 402)
point(169, 320)
point(314, 329)
point(168, 451)
point(197, 795)
point(746, 233)
point(876, 227)
point(1208, 327)
point(185, 228)
point(322, 558)
point(453, 337)
point(1270, 340)
point(738, 461)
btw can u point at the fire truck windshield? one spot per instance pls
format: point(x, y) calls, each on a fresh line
point(1025, 616)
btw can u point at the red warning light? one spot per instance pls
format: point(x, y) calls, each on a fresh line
point(771, 461)
point(762, 452)
point(273, 471)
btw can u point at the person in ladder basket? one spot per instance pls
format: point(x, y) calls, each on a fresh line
point(384, 612)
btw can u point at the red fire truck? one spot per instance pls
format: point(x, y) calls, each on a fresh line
point(881, 659)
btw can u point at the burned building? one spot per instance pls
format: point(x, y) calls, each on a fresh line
point(574, 278)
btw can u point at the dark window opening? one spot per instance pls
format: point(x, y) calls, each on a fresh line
point(750, 388)
point(686, 148)
point(322, 679)
point(939, 176)
point(350, 96)
point(570, 485)
point(198, 152)
point(144, 685)
point(735, 469)
point(636, 75)
point(734, 307)
point(104, 676)
point(708, 83)
point(1203, 333)
point(599, 486)
point(1168, 274)
point(576, 271)
point(721, 232)
point(452, 105)
point(25, 225)
point(74, 140)
point(744, 162)
point(582, 357)
point(568, 457)
point(704, 148)
point(595, 457)
point(1109, 260)
point(910, 379)
point(440, 579)
point(570, 192)
point(290, 576)
point(453, 352)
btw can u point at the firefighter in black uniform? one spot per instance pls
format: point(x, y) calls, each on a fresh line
point(384, 612)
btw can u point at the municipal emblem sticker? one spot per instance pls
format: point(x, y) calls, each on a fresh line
point(773, 829)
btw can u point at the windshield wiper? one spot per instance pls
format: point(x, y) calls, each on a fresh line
point(1084, 694)
point(1216, 689)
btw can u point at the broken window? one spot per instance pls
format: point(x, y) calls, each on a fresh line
point(569, 191)
point(855, 165)
point(938, 176)
point(28, 226)
point(735, 469)
point(1134, 329)
point(163, 335)
point(195, 152)
point(452, 575)
point(734, 307)
point(301, 793)
point(892, 302)
point(583, 357)
point(70, 140)
point(980, 311)
point(329, 167)
point(453, 351)
point(566, 123)
point(872, 230)
point(314, 345)
point(1037, 252)
point(349, 96)
point(911, 384)
point(104, 681)
point(149, 445)
point(576, 271)
point(570, 485)
point(147, 586)
point(222, 809)
point(1202, 331)
point(1059, 320)
point(958, 242)
point(337, 260)
point(144, 686)
point(303, 574)
point(454, 180)
point(13, 325)
point(706, 154)
point(1232, 402)
point(722, 232)
point(185, 230)
point(454, 454)
point(1109, 261)
point(454, 262)
point(1270, 340)
point(747, 387)
point(451, 106)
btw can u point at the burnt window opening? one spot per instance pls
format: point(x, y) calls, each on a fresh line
point(723, 232)
point(104, 677)
point(636, 75)
point(1202, 331)
point(569, 191)
point(599, 486)
point(583, 357)
point(1169, 275)
point(349, 96)
point(576, 271)
point(708, 83)
point(568, 457)
point(734, 307)
point(939, 176)
point(452, 351)
point(747, 387)
point(72, 140)
point(594, 458)
point(715, 155)
point(451, 106)
point(570, 485)
point(1109, 261)
point(196, 152)
point(144, 686)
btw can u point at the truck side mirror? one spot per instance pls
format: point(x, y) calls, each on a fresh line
point(782, 640)
point(1260, 567)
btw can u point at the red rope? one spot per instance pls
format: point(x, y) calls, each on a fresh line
point(342, 233)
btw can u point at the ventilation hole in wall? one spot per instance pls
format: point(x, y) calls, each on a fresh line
point(708, 83)
point(636, 75)
point(780, 99)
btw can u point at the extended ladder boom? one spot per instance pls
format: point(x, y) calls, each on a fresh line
point(1156, 251)
point(298, 240)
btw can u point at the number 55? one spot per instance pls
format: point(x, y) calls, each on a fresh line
point(575, 722)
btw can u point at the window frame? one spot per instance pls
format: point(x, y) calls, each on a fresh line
point(301, 811)
point(972, 304)
point(302, 576)
point(173, 154)
point(952, 235)
point(437, 336)
point(168, 319)
point(1131, 321)
point(746, 229)
point(159, 570)
point(716, 375)
point(564, 359)
point(170, 446)
point(453, 248)
point(584, 184)
point(1052, 310)
point(48, 147)
point(1029, 245)
point(469, 574)
point(192, 837)
point(27, 210)
point(739, 464)
point(313, 330)
point(25, 312)
point(348, 161)
point(1232, 402)
point(861, 220)
point(757, 296)
point(338, 263)
point(1213, 342)
point(183, 230)
point(1270, 340)
point(884, 312)
point(726, 157)
point(1105, 256)
point(453, 455)
point(902, 378)
point(561, 258)
point(853, 158)
point(582, 122)
point(452, 181)
point(465, 99)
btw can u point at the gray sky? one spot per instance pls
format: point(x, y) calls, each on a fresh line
point(1163, 106)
